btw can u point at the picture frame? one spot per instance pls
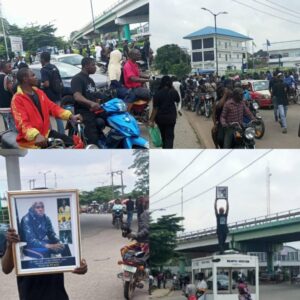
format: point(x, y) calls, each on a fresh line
point(47, 222)
point(222, 192)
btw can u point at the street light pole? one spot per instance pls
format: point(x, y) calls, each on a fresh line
point(45, 176)
point(92, 9)
point(216, 35)
point(3, 29)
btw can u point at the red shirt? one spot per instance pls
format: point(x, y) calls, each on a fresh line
point(131, 69)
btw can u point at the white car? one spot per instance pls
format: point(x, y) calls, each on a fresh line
point(70, 59)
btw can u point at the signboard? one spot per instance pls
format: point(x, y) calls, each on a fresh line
point(16, 43)
point(221, 192)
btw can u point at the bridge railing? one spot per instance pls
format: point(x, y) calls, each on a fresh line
point(111, 7)
point(241, 224)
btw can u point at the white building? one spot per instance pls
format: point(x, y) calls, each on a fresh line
point(232, 50)
point(285, 54)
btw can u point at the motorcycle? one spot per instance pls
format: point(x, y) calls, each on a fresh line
point(124, 131)
point(189, 100)
point(243, 136)
point(260, 127)
point(103, 66)
point(118, 218)
point(204, 107)
point(134, 265)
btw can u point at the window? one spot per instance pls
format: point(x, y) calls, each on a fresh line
point(197, 56)
point(226, 57)
point(230, 56)
point(209, 55)
point(208, 43)
point(226, 46)
point(197, 44)
point(238, 56)
point(220, 55)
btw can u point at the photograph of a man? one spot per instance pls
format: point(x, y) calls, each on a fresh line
point(37, 232)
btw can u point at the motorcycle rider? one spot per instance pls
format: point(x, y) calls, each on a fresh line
point(31, 109)
point(234, 111)
point(133, 79)
point(87, 101)
point(117, 206)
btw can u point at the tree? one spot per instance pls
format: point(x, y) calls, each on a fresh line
point(171, 59)
point(163, 239)
point(141, 166)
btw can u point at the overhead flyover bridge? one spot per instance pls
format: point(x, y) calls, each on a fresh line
point(116, 18)
point(261, 234)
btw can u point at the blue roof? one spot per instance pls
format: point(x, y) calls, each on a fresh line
point(220, 31)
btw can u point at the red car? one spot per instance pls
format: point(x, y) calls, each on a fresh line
point(259, 91)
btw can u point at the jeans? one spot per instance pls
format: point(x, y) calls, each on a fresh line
point(60, 126)
point(228, 138)
point(129, 218)
point(282, 111)
point(9, 122)
point(274, 100)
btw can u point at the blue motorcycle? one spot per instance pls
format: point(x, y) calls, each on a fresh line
point(124, 131)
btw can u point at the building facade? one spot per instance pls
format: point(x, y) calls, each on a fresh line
point(285, 54)
point(230, 46)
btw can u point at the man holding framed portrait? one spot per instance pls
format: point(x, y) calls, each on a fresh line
point(37, 248)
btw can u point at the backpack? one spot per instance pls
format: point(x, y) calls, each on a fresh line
point(56, 84)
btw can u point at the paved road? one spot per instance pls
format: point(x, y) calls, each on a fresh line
point(185, 135)
point(267, 292)
point(101, 248)
point(273, 139)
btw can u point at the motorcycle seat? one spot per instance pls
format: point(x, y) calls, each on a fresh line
point(9, 140)
point(140, 102)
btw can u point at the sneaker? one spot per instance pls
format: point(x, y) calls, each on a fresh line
point(284, 130)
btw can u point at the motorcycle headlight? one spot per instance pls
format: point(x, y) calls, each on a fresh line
point(255, 106)
point(250, 133)
point(207, 96)
point(122, 106)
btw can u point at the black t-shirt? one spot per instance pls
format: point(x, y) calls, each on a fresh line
point(130, 205)
point(83, 84)
point(222, 223)
point(164, 100)
point(46, 76)
point(41, 287)
point(46, 287)
point(5, 96)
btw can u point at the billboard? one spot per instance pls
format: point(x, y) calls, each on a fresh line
point(16, 43)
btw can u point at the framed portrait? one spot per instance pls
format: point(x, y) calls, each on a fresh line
point(47, 222)
point(221, 192)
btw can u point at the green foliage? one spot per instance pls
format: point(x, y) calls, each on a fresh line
point(172, 60)
point(163, 239)
point(100, 194)
point(33, 37)
point(141, 166)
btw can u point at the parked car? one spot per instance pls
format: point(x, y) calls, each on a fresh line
point(259, 91)
point(70, 59)
point(67, 72)
point(222, 282)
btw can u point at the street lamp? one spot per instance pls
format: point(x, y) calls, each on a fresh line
point(93, 18)
point(216, 36)
point(45, 176)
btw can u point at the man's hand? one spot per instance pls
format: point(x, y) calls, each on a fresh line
point(82, 269)
point(12, 237)
point(76, 119)
point(41, 141)
point(55, 246)
point(94, 106)
point(151, 124)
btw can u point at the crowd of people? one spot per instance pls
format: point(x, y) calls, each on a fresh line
point(231, 102)
point(32, 105)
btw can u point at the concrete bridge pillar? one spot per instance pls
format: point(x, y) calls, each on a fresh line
point(182, 265)
point(127, 33)
point(270, 261)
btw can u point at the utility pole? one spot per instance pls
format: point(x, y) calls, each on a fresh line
point(31, 181)
point(120, 172)
point(269, 174)
point(55, 181)
point(182, 206)
point(45, 177)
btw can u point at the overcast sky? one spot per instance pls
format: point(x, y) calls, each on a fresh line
point(247, 191)
point(66, 15)
point(84, 170)
point(171, 20)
